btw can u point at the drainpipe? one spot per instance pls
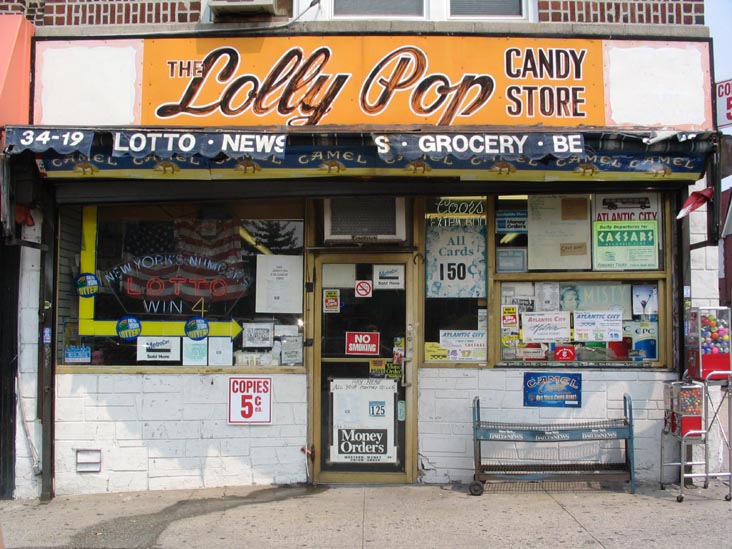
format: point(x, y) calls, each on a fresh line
point(46, 319)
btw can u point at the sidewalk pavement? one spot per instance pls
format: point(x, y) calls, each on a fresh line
point(506, 515)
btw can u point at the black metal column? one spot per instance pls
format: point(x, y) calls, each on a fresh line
point(9, 276)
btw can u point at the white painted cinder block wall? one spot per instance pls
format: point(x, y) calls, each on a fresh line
point(170, 431)
point(445, 415)
point(705, 273)
point(27, 483)
point(704, 261)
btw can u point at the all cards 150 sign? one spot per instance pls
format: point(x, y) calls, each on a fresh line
point(456, 261)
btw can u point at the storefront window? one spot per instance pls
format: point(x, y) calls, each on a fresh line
point(574, 278)
point(456, 315)
point(579, 232)
point(601, 318)
point(189, 285)
point(579, 321)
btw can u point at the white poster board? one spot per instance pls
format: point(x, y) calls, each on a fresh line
point(363, 420)
point(257, 334)
point(220, 351)
point(388, 277)
point(195, 353)
point(336, 275)
point(545, 327)
point(279, 284)
point(158, 348)
point(598, 325)
point(464, 344)
point(291, 350)
point(559, 232)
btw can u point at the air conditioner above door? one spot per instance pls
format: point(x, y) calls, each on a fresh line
point(364, 219)
point(244, 7)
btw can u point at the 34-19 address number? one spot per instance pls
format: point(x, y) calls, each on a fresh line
point(67, 138)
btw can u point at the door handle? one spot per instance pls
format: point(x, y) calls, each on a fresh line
point(407, 356)
point(405, 383)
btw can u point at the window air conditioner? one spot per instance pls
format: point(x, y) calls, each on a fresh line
point(364, 220)
point(233, 7)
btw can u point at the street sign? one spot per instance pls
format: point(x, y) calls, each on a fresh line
point(724, 103)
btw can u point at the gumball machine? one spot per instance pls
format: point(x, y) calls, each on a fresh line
point(707, 341)
point(688, 408)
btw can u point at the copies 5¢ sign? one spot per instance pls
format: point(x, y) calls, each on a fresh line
point(250, 400)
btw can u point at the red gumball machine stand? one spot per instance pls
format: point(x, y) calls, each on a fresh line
point(684, 422)
point(690, 410)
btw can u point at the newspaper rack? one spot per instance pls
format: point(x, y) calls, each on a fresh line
point(487, 434)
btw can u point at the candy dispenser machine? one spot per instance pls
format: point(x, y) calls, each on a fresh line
point(686, 422)
point(707, 342)
point(688, 409)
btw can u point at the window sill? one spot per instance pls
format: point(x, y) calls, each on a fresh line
point(543, 364)
point(138, 369)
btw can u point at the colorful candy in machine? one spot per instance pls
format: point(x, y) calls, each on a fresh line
point(707, 340)
point(688, 408)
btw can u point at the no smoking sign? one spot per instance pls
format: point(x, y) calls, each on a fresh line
point(364, 288)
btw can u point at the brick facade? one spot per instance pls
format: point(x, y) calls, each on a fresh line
point(62, 13)
point(641, 12)
point(12, 8)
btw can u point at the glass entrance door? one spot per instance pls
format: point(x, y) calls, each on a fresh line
point(363, 375)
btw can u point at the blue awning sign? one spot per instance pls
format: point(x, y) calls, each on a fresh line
point(464, 146)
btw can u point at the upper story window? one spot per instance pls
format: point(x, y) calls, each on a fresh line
point(344, 8)
point(431, 9)
point(483, 8)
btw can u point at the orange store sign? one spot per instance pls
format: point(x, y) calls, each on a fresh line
point(373, 80)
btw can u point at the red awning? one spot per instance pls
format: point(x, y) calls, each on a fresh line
point(15, 67)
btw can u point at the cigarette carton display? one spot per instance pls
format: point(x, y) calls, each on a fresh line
point(642, 339)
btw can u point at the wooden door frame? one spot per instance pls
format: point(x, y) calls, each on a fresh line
point(410, 439)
